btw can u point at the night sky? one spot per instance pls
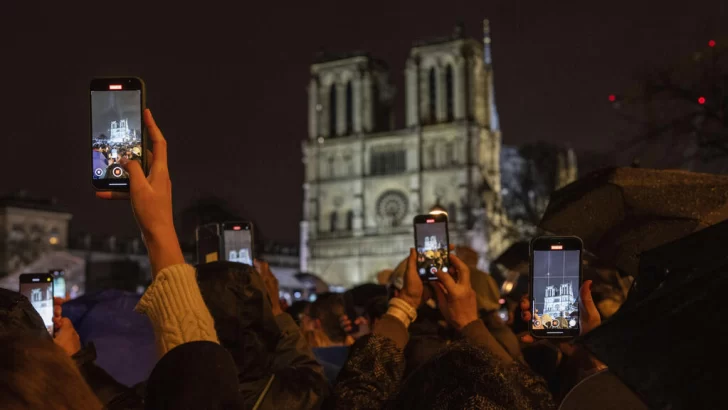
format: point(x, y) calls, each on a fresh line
point(227, 83)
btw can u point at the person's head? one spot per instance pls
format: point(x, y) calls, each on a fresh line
point(37, 374)
point(326, 313)
point(96, 147)
point(375, 309)
point(299, 312)
point(317, 338)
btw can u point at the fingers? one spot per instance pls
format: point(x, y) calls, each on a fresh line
point(440, 295)
point(135, 171)
point(150, 157)
point(410, 274)
point(462, 269)
point(446, 280)
point(159, 144)
point(57, 310)
point(112, 195)
point(527, 339)
point(451, 247)
point(589, 314)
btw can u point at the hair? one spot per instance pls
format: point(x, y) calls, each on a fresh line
point(37, 374)
point(376, 308)
point(298, 308)
point(317, 338)
point(328, 308)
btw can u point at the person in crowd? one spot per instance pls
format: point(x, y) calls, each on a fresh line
point(327, 312)
point(275, 366)
point(317, 338)
point(299, 311)
point(480, 372)
point(99, 160)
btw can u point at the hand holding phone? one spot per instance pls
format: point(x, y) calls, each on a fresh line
point(237, 241)
point(117, 105)
point(555, 279)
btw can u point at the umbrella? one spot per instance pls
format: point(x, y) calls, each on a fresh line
point(362, 294)
point(665, 342)
point(621, 212)
point(124, 339)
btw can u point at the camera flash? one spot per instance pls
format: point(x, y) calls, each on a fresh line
point(115, 87)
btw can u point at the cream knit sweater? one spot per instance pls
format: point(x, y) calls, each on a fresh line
point(176, 309)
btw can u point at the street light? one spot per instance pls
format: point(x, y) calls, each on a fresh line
point(438, 210)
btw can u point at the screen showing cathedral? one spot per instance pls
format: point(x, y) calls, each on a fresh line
point(40, 295)
point(238, 246)
point(555, 289)
point(116, 131)
point(432, 248)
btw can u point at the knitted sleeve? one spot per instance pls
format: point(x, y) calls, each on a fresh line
point(176, 309)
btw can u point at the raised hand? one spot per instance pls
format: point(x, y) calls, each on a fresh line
point(151, 201)
point(412, 289)
point(456, 298)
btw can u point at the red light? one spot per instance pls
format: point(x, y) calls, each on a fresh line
point(501, 301)
point(557, 247)
point(612, 97)
point(115, 87)
point(429, 221)
point(236, 228)
point(711, 43)
point(701, 100)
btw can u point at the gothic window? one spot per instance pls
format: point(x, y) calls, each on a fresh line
point(388, 162)
point(349, 108)
point(452, 212)
point(332, 110)
point(350, 221)
point(449, 93)
point(431, 156)
point(332, 222)
point(449, 153)
point(332, 169)
point(432, 86)
point(349, 164)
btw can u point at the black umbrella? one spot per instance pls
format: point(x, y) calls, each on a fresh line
point(666, 342)
point(312, 281)
point(621, 212)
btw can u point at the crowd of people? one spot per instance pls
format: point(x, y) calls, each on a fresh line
point(107, 154)
point(225, 341)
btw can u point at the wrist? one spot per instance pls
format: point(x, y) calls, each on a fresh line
point(164, 251)
point(461, 324)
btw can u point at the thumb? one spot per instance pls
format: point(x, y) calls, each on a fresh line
point(590, 317)
point(135, 171)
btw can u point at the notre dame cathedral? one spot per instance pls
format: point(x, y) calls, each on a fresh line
point(365, 181)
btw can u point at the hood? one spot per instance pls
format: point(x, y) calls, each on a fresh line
point(236, 297)
point(18, 315)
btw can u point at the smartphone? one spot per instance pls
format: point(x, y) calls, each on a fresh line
point(116, 123)
point(208, 243)
point(38, 288)
point(237, 240)
point(432, 243)
point(555, 278)
point(59, 283)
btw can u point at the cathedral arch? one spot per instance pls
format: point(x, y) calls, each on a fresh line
point(332, 109)
point(349, 108)
point(449, 93)
point(432, 94)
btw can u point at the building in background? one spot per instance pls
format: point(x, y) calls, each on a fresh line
point(364, 181)
point(35, 239)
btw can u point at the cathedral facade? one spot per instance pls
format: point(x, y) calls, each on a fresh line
point(365, 182)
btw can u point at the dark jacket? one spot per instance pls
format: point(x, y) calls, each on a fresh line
point(18, 315)
point(270, 352)
point(463, 376)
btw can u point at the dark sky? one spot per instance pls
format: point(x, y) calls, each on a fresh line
point(226, 82)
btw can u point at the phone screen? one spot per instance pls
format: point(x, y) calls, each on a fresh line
point(208, 243)
point(238, 242)
point(39, 291)
point(555, 284)
point(59, 284)
point(432, 243)
point(116, 130)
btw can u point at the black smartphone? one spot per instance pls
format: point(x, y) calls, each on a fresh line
point(237, 241)
point(208, 243)
point(38, 288)
point(432, 243)
point(59, 283)
point(117, 130)
point(555, 277)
